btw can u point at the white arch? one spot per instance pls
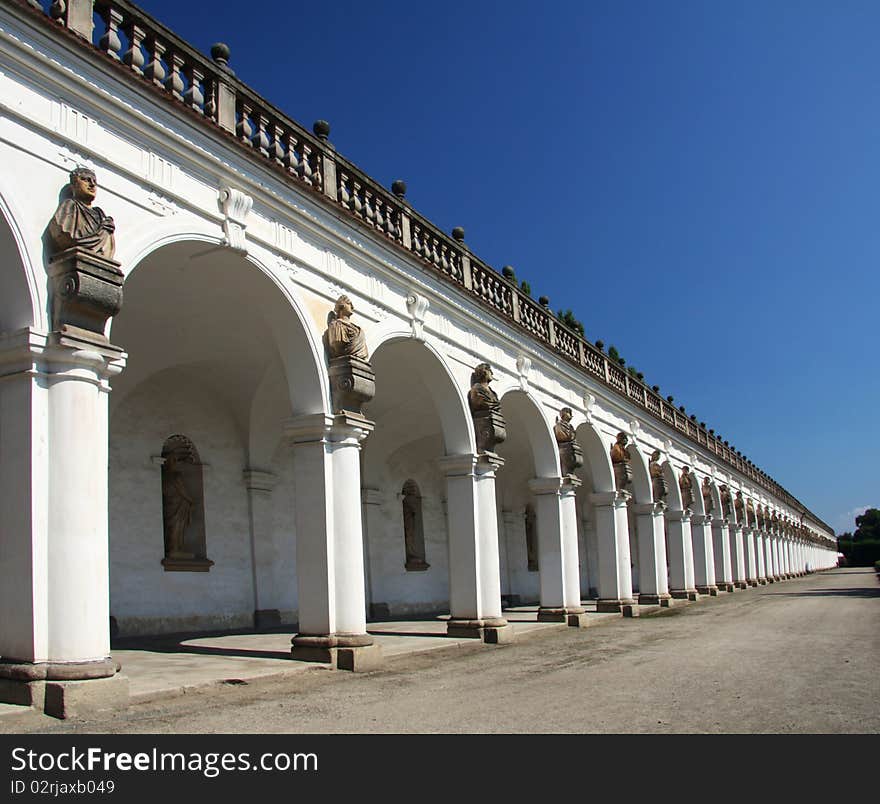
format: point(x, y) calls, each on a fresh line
point(32, 311)
point(597, 454)
point(450, 401)
point(296, 368)
point(545, 452)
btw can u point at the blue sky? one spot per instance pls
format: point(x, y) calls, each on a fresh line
point(698, 181)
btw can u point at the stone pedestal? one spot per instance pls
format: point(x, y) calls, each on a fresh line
point(85, 291)
point(352, 384)
point(353, 652)
point(490, 429)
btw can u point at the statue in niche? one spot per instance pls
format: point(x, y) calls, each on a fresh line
point(774, 522)
point(485, 408)
point(531, 523)
point(183, 507)
point(413, 528)
point(750, 513)
point(659, 488)
point(76, 223)
point(725, 500)
point(738, 506)
point(685, 483)
point(177, 508)
point(708, 502)
point(345, 338)
point(570, 455)
point(620, 462)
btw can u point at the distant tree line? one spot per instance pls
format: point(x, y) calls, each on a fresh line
point(861, 548)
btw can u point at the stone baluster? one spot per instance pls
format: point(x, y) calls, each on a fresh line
point(291, 162)
point(174, 83)
point(134, 57)
point(193, 96)
point(277, 148)
point(110, 42)
point(261, 138)
point(154, 71)
point(244, 130)
point(307, 172)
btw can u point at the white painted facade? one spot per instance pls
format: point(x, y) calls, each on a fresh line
point(231, 270)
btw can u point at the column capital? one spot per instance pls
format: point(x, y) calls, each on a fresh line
point(616, 498)
point(679, 516)
point(488, 463)
point(461, 465)
point(323, 427)
point(545, 485)
point(701, 519)
point(653, 508)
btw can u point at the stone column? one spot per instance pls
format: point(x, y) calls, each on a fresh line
point(761, 556)
point(739, 557)
point(54, 573)
point(329, 541)
point(723, 563)
point(681, 557)
point(704, 555)
point(612, 535)
point(768, 558)
point(751, 558)
point(259, 487)
point(557, 550)
point(653, 572)
point(474, 567)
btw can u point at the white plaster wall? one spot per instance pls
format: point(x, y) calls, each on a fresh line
point(516, 579)
point(145, 598)
point(409, 592)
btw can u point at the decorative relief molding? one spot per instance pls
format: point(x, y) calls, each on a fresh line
point(417, 305)
point(70, 122)
point(287, 267)
point(286, 239)
point(236, 206)
point(157, 170)
point(333, 263)
point(523, 369)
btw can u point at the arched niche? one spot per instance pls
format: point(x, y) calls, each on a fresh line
point(183, 507)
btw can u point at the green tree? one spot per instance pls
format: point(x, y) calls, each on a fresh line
point(867, 526)
point(568, 318)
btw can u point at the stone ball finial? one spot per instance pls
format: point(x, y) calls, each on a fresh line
point(600, 345)
point(321, 129)
point(655, 389)
point(544, 301)
point(398, 187)
point(458, 234)
point(670, 398)
point(220, 54)
point(508, 272)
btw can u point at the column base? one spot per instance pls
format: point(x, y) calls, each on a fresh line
point(711, 590)
point(664, 600)
point(741, 585)
point(354, 652)
point(570, 615)
point(611, 606)
point(685, 594)
point(752, 582)
point(492, 630)
point(724, 586)
point(58, 671)
point(762, 581)
point(66, 699)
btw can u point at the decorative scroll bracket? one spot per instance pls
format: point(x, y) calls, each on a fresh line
point(236, 206)
point(417, 306)
point(523, 369)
